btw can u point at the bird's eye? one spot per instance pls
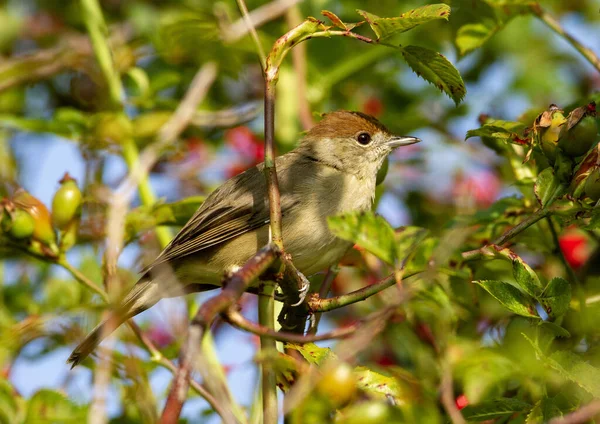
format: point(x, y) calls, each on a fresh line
point(364, 138)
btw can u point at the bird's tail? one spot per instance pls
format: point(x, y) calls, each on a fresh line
point(141, 297)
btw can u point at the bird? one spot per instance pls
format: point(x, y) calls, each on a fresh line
point(332, 171)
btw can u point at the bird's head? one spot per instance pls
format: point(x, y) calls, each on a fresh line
point(352, 142)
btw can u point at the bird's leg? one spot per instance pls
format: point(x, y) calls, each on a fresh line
point(302, 284)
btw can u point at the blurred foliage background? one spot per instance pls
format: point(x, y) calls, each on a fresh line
point(448, 346)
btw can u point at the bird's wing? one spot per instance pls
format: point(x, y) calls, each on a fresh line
point(235, 208)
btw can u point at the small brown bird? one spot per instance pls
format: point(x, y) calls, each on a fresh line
point(332, 171)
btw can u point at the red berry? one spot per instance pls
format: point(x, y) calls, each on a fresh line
point(373, 106)
point(461, 401)
point(575, 248)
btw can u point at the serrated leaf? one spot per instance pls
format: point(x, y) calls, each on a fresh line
point(556, 297)
point(511, 297)
point(369, 231)
point(555, 329)
point(546, 186)
point(492, 409)
point(507, 131)
point(386, 27)
point(572, 367)
point(312, 353)
point(373, 382)
point(435, 69)
point(526, 278)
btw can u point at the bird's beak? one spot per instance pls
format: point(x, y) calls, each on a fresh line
point(398, 141)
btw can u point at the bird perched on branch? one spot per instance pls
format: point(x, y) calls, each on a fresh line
point(333, 170)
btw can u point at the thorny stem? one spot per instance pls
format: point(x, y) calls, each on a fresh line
point(555, 26)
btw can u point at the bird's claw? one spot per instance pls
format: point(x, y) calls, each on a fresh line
point(302, 292)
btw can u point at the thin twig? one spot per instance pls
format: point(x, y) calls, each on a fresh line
point(582, 415)
point(510, 233)
point(555, 26)
point(317, 304)
point(140, 167)
point(332, 272)
point(447, 396)
point(294, 18)
point(260, 51)
point(155, 354)
point(258, 17)
point(268, 347)
point(238, 320)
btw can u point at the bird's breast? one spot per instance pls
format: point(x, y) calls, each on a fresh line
point(306, 234)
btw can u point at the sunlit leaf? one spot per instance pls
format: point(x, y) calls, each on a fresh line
point(556, 297)
point(493, 409)
point(369, 231)
point(507, 131)
point(312, 353)
point(511, 297)
point(546, 186)
point(386, 27)
point(376, 383)
point(435, 69)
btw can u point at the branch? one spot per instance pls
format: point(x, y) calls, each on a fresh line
point(268, 347)
point(554, 25)
point(447, 396)
point(258, 17)
point(234, 286)
point(510, 233)
point(262, 57)
point(238, 320)
point(582, 415)
point(316, 304)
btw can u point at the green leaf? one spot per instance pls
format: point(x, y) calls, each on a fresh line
point(507, 131)
point(177, 213)
point(375, 383)
point(435, 69)
point(472, 36)
point(48, 406)
point(511, 297)
point(336, 21)
point(555, 329)
point(369, 231)
point(312, 353)
point(493, 409)
point(556, 297)
point(526, 277)
point(546, 186)
point(386, 27)
point(10, 403)
point(572, 367)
